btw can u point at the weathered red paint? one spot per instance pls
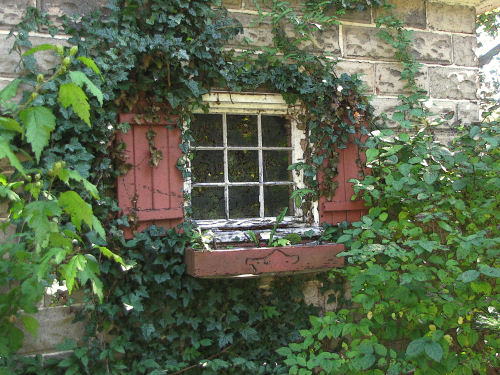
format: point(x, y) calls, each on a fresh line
point(341, 207)
point(263, 260)
point(153, 194)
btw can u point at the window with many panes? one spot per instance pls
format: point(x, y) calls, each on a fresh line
point(241, 151)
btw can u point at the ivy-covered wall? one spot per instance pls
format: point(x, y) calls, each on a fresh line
point(444, 43)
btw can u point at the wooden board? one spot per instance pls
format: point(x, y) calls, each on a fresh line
point(262, 260)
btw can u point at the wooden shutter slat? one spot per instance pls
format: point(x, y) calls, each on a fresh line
point(154, 194)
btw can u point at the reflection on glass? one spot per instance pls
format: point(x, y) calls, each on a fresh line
point(207, 166)
point(207, 130)
point(243, 166)
point(241, 130)
point(276, 198)
point(243, 202)
point(207, 203)
point(276, 165)
point(275, 131)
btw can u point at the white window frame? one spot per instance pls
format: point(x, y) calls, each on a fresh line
point(234, 230)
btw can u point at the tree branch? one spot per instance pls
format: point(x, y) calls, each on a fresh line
point(488, 56)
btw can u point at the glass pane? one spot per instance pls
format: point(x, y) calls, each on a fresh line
point(275, 131)
point(243, 202)
point(207, 130)
point(276, 198)
point(276, 165)
point(208, 203)
point(243, 166)
point(207, 166)
point(241, 130)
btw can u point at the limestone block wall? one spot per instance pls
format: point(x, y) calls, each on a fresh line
point(444, 42)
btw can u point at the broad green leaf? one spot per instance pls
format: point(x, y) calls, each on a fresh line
point(91, 64)
point(110, 255)
point(96, 224)
point(468, 276)
point(39, 122)
point(31, 324)
point(434, 350)
point(489, 271)
point(5, 151)
point(37, 215)
point(77, 208)
point(91, 188)
point(9, 91)
point(445, 226)
point(415, 347)
point(76, 263)
point(371, 154)
point(344, 238)
point(398, 116)
point(11, 124)
point(71, 94)
point(81, 79)
point(41, 47)
point(97, 288)
point(430, 177)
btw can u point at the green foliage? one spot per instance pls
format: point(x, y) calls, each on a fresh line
point(45, 246)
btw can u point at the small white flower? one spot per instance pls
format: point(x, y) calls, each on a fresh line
point(128, 307)
point(324, 81)
point(339, 88)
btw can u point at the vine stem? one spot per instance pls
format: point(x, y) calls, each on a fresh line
point(209, 358)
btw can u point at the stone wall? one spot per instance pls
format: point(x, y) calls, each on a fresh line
point(444, 42)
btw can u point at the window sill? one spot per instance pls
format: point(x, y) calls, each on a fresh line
point(246, 261)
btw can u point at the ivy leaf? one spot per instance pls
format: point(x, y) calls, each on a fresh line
point(415, 347)
point(77, 208)
point(91, 64)
point(398, 116)
point(31, 324)
point(71, 94)
point(81, 79)
point(5, 151)
point(39, 122)
point(434, 350)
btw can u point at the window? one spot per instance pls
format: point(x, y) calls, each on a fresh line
point(240, 180)
point(241, 151)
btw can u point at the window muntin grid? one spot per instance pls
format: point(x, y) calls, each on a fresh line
point(252, 145)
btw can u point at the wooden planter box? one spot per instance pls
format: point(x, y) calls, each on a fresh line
point(262, 260)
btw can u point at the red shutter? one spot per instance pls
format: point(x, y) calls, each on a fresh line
point(341, 207)
point(153, 194)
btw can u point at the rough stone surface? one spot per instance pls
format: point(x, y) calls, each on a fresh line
point(260, 34)
point(55, 326)
point(362, 42)
point(325, 40)
point(57, 8)
point(364, 16)
point(432, 47)
point(232, 4)
point(366, 70)
point(450, 83)
point(411, 12)
point(11, 12)
point(441, 110)
point(464, 50)
point(468, 112)
point(46, 59)
point(313, 296)
point(388, 79)
point(452, 18)
point(386, 106)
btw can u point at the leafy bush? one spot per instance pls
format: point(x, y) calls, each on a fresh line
point(423, 264)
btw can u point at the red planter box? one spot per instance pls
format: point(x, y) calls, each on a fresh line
point(262, 260)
